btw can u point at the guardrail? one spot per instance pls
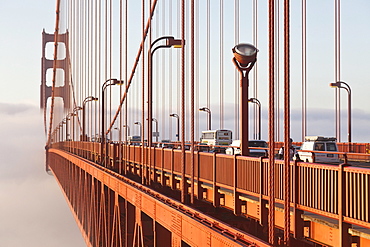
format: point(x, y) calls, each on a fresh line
point(335, 191)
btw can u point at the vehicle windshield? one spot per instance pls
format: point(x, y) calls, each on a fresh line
point(260, 144)
point(331, 147)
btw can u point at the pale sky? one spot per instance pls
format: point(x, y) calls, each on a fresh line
point(33, 211)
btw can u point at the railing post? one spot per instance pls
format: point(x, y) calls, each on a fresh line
point(298, 221)
point(163, 182)
point(344, 236)
point(262, 205)
point(173, 182)
point(216, 195)
point(199, 183)
point(237, 201)
point(152, 172)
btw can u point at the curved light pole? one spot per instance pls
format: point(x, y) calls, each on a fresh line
point(206, 109)
point(87, 99)
point(107, 83)
point(128, 129)
point(258, 103)
point(156, 129)
point(68, 117)
point(178, 124)
point(170, 42)
point(245, 56)
point(77, 108)
point(141, 134)
point(340, 84)
point(64, 121)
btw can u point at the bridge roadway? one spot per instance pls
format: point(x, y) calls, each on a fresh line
point(113, 207)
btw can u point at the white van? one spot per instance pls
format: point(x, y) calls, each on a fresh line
point(319, 143)
point(235, 148)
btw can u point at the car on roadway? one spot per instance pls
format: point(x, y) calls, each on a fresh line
point(262, 146)
point(327, 146)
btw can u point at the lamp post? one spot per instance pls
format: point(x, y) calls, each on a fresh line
point(118, 129)
point(77, 108)
point(258, 103)
point(156, 129)
point(206, 109)
point(245, 56)
point(60, 138)
point(87, 99)
point(128, 129)
point(141, 136)
point(107, 83)
point(68, 117)
point(340, 84)
point(170, 42)
point(64, 121)
point(178, 124)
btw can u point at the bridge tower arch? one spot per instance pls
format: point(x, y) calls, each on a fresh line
point(61, 91)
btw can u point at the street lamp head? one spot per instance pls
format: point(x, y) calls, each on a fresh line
point(117, 82)
point(245, 54)
point(172, 42)
point(202, 109)
point(335, 84)
point(174, 115)
point(94, 99)
point(137, 123)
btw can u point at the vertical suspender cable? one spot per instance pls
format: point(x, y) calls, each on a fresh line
point(236, 96)
point(192, 99)
point(286, 122)
point(110, 60)
point(105, 62)
point(304, 69)
point(196, 65)
point(99, 67)
point(208, 56)
point(126, 67)
point(164, 82)
point(255, 74)
point(150, 99)
point(277, 69)
point(183, 180)
point(271, 173)
point(143, 96)
point(178, 58)
point(120, 129)
point(221, 64)
point(337, 69)
point(170, 88)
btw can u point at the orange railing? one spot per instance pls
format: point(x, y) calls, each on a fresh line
point(333, 191)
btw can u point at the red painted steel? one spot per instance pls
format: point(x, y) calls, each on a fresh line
point(233, 181)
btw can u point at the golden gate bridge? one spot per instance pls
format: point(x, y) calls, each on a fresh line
point(120, 66)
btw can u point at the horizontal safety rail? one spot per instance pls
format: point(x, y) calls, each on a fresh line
point(314, 187)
